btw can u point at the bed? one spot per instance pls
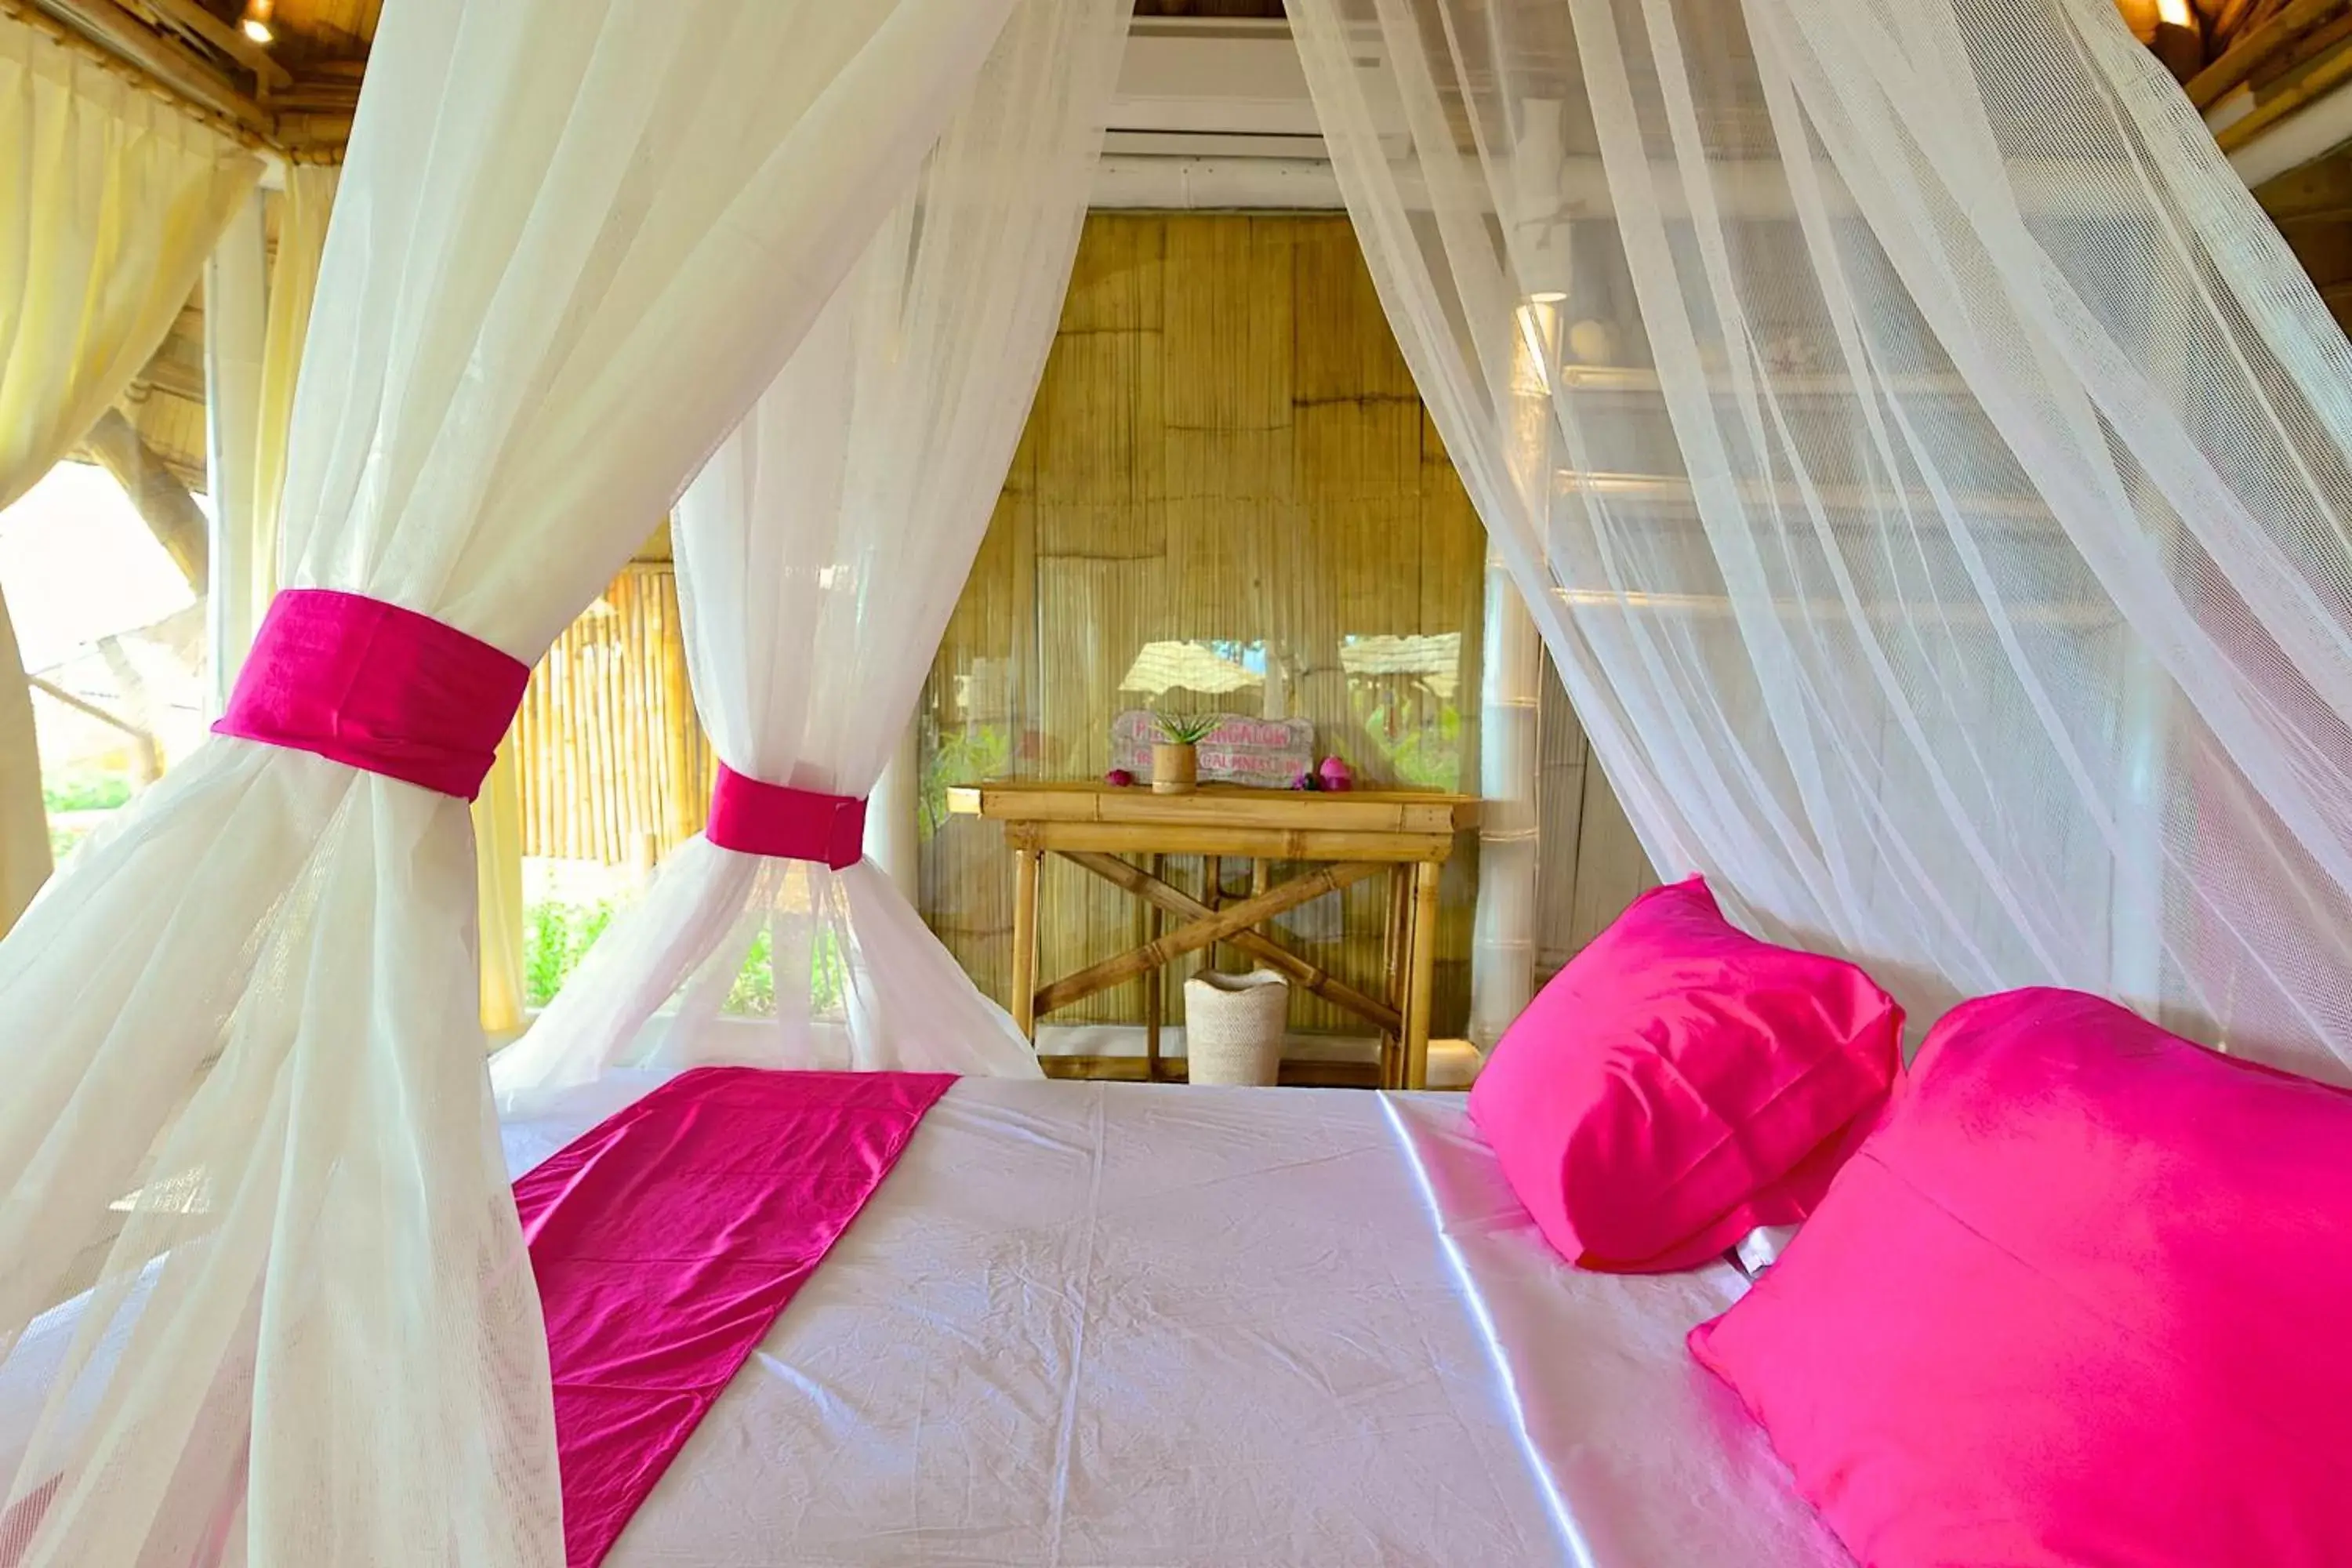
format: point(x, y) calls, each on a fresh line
point(1090, 1324)
point(1115, 1325)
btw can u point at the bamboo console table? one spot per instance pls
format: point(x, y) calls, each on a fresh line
point(1348, 837)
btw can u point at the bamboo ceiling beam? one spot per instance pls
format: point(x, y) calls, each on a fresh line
point(173, 378)
point(119, 40)
point(2322, 77)
point(189, 16)
point(2254, 49)
point(315, 112)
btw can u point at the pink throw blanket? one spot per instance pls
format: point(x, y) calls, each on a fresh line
point(666, 1240)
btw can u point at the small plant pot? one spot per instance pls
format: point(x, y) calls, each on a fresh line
point(1233, 1025)
point(1175, 769)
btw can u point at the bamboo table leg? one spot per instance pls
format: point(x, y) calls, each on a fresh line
point(1025, 940)
point(1155, 988)
point(1213, 893)
point(1395, 952)
point(1424, 962)
point(1261, 879)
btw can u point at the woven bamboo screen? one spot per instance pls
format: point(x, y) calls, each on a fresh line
point(1227, 483)
point(612, 765)
point(1227, 496)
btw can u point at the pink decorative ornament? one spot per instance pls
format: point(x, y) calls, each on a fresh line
point(1118, 778)
point(1336, 775)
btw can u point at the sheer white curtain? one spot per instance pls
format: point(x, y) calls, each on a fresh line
point(115, 195)
point(820, 553)
point(574, 239)
point(1927, 466)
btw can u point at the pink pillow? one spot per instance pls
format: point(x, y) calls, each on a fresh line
point(2082, 1298)
point(1681, 1083)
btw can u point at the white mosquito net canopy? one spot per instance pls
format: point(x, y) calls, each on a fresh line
point(575, 239)
point(1925, 462)
point(1927, 469)
point(820, 552)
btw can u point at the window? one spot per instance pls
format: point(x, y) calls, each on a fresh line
point(112, 635)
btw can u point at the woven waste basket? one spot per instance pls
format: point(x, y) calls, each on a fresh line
point(1233, 1025)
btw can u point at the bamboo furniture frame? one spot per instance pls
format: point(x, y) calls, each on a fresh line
point(1349, 837)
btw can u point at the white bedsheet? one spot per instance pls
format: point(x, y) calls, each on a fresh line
point(1112, 1326)
point(1652, 1461)
point(1099, 1324)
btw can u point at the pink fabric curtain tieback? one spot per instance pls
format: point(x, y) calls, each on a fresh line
point(377, 688)
point(755, 818)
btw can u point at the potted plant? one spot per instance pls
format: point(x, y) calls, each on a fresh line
point(1175, 756)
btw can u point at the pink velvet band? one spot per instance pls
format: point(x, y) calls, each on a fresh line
point(377, 688)
point(755, 818)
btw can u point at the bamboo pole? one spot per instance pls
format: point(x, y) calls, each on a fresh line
point(535, 773)
point(645, 823)
point(612, 778)
point(600, 761)
point(1423, 972)
point(2291, 98)
point(1202, 934)
point(1155, 984)
point(1503, 924)
point(1393, 951)
point(1025, 940)
point(2249, 52)
point(587, 716)
point(687, 786)
point(559, 666)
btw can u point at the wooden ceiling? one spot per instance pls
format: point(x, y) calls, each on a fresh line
point(2190, 35)
point(297, 92)
point(331, 29)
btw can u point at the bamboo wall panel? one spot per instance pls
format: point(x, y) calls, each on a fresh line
point(1226, 451)
point(1589, 864)
point(613, 767)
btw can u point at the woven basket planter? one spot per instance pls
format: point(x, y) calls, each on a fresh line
point(1175, 767)
point(1233, 1025)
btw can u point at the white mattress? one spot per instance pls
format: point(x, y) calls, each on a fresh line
point(1103, 1324)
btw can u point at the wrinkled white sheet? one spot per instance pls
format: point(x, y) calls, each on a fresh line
point(1113, 1326)
point(1104, 1324)
point(1652, 1461)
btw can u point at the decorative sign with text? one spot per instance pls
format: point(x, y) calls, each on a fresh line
point(1266, 754)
